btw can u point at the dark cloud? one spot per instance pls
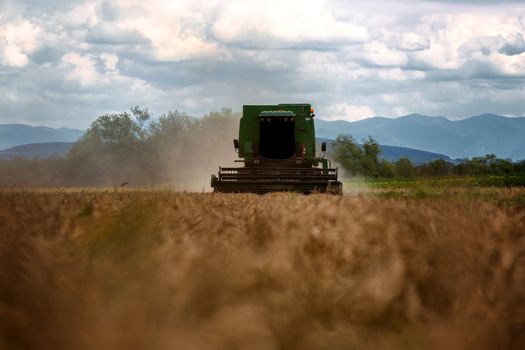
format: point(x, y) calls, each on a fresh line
point(106, 33)
point(515, 45)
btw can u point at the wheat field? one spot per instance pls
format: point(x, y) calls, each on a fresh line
point(137, 269)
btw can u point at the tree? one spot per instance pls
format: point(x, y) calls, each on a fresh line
point(386, 169)
point(113, 149)
point(404, 168)
point(501, 167)
point(519, 167)
point(348, 154)
point(371, 157)
point(142, 115)
point(358, 159)
point(438, 167)
point(169, 127)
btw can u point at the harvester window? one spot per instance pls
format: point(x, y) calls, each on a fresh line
point(277, 137)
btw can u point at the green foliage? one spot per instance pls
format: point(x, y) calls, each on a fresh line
point(363, 160)
point(371, 151)
point(142, 115)
point(386, 169)
point(113, 133)
point(404, 168)
point(348, 154)
point(487, 164)
point(357, 159)
point(519, 167)
point(501, 181)
point(438, 167)
point(169, 127)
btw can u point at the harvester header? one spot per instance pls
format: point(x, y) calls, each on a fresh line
point(277, 146)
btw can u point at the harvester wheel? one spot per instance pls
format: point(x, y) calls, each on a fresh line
point(214, 180)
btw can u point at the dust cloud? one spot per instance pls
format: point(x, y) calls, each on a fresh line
point(177, 152)
point(203, 150)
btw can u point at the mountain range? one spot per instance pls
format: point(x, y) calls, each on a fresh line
point(20, 134)
point(44, 150)
point(436, 137)
point(40, 150)
point(466, 138)
point(393, 153)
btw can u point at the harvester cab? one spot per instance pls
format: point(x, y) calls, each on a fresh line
point(277, 146)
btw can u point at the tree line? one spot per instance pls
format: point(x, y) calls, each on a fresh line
point(133, 148)
point(364, 160)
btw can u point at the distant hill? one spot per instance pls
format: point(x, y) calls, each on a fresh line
point(36, 150)
point(475, 136)
point(20, 134)
point(50, 149)
point(393, 153)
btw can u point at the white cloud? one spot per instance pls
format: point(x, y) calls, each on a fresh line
point(399, 74)
point(381, 55)
point(508, 65)
point(110, 61)
point(82, 68)
point(267, 23)
point(176, 29)
point(18, 39)
point(80, 15)
point(455, 37)
point(512, 44)
point(408, 41)
point(345, 111)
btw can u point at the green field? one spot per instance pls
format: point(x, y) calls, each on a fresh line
point(496, 189)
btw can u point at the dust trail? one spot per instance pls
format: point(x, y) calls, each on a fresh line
point(176, 150)
point(190, 166)
point(353, 185)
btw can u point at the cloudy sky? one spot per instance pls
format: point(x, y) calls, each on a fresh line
point(62, 63)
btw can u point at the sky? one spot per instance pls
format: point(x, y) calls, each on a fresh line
point(63, 63)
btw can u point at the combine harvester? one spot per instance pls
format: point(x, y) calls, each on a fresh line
point(277, 146)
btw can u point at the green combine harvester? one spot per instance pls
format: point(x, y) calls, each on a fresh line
point(277, 146)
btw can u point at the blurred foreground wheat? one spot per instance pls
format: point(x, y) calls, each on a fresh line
point(159, 270)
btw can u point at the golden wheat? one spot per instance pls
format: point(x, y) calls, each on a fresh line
point(161, 270)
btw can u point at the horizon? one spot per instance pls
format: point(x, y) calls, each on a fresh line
point(317, 117)
point(484, 131)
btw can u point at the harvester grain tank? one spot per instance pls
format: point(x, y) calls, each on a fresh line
point(277, 146)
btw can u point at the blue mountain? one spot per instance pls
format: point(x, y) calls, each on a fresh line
point(393, 153)
point(39, 150)
point(474, 136)
point(20, 134)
